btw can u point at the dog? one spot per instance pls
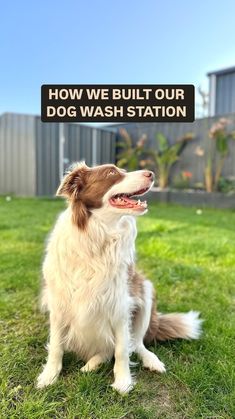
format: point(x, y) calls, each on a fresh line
point(99, 306)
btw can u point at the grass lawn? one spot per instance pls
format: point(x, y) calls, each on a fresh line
point(191, 260)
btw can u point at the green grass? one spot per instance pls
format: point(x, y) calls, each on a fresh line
point(191, 260)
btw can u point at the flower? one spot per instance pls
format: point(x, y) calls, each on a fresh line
point(145, 163)
point(224, 121)
point(218, 127)
point(142, 141)
point(142, 163)
point(187, 174)
point(199, 151)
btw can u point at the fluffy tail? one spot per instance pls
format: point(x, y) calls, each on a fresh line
point(173, 326)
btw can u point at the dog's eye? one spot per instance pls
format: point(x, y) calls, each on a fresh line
point(112, 172)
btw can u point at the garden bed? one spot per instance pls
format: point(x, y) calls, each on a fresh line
point(193, 198)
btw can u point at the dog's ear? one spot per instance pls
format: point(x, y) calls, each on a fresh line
point(73, 181)
point(80, 214)
point(70, 186)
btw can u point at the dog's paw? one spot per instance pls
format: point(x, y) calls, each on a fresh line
point(93, 364)
point(152, 363)
point(123, 384)
point(89, 367)
point(46, 378)
point(85, 368)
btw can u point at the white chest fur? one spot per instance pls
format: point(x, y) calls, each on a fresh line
point(87, 276)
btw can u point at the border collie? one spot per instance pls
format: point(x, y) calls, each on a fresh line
point(99, 305)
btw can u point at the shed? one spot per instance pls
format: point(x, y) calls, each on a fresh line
point(222, 92)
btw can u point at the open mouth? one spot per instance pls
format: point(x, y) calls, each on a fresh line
point(125, 200)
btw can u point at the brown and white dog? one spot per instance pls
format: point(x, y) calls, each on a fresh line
point(99, 305)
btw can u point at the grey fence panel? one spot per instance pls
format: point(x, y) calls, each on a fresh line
point(30, 150)
point(95, 146)
point(17, 154)
point(86, 144)
point(71, 145)
point(47, 157)
point(106, 146)
point(78, 144)
point(225, 93)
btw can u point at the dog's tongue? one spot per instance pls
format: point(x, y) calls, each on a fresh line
point(125, 201)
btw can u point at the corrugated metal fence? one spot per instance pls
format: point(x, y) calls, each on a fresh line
point(17, 155)
point(47, 157)
point(33, 155)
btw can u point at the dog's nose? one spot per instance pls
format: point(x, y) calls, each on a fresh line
point(149, 174)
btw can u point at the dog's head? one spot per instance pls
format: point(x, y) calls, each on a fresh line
point(104, 187)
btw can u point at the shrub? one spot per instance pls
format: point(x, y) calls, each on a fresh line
point(166, 156)
point(133, 156)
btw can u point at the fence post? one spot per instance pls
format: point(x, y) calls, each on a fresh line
point(94, 147)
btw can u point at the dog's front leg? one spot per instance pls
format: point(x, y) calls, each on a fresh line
point(55, 353)
point(123, 382)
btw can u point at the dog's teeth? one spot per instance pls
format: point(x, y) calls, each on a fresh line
point(139, 202)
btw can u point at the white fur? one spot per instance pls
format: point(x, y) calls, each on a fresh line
point(192, 324)
point(86, 286)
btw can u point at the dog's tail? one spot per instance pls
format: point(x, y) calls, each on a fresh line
point(173, 326)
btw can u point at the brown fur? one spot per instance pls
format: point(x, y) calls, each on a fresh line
point(161, 327)
point(135, 282)
point(166, 327)
point(85, 187)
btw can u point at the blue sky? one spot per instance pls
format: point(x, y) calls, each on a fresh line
point(108, 41)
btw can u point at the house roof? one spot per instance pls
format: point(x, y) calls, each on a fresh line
point(223, 71)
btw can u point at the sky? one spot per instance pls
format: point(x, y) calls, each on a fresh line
point(129, 42)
